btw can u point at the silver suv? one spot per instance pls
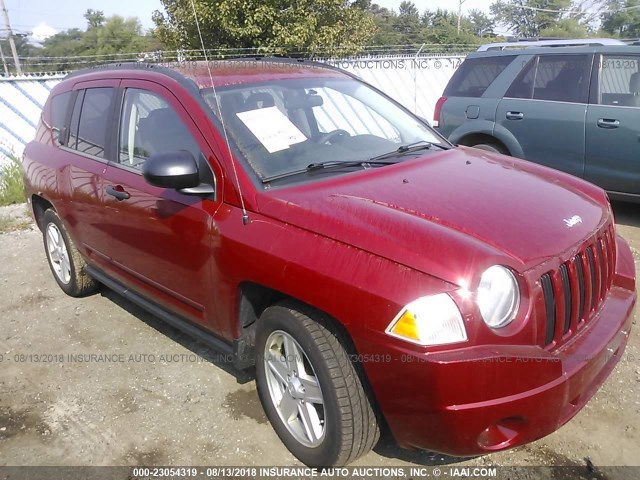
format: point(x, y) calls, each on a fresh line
point(573, 108)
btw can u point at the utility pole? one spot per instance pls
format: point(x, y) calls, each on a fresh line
point(460, 2)
point(4, 62)
point(11, 42)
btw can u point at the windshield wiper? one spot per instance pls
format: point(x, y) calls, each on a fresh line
point(347, 163)
point(410, 148)
point(329, 164)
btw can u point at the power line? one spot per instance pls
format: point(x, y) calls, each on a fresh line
point(548, 10)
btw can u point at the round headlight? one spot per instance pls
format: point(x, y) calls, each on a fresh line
point(498, 296)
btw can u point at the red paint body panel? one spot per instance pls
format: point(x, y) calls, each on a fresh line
point(461, 393)
point(360, 246)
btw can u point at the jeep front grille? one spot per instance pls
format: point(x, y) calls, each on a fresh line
point(576, 290)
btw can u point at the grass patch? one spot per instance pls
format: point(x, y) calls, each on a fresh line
point(11, 184)
point(8, 224)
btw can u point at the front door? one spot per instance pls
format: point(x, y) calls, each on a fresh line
point(160, 239)
point(613, 126)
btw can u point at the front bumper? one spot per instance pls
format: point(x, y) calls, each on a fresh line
point(486, 398)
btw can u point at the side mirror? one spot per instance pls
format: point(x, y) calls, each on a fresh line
point(177, 170)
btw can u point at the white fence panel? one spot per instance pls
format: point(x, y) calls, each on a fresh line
point(415, 81)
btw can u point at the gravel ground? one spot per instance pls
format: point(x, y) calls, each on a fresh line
point(165, 399)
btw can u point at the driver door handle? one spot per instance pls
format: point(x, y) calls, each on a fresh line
point(118, 192)
point(515, 115)
point(608, 123)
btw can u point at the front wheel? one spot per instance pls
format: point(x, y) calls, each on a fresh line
point(310, 390)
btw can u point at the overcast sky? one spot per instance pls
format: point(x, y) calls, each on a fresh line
point(25, 15)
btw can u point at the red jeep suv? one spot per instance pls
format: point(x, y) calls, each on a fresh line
point(299, 220)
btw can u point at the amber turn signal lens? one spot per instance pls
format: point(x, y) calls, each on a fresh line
point(432, 320)
point(406, 326)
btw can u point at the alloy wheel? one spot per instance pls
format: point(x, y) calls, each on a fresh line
point(294, 389)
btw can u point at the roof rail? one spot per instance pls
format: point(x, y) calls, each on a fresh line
point(533, 43)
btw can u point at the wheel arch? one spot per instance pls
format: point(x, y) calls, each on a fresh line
point(482, 138)
point(253, 300)
point(39, 205)
point(484, 131)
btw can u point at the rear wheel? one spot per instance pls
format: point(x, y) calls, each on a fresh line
point(66, 263)
point(310, 390)
point(490, 147)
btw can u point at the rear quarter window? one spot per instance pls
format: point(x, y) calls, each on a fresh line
point(59, 109)
point(475, 75)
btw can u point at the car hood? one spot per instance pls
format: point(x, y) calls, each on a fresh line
point(449, 214)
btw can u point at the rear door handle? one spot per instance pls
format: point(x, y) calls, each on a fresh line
point(608, 123)
point(118, 192)
point(515, 115)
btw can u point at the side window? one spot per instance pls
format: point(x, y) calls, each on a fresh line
point(562, 78)
point(150, 125)
point(93, 121)
point(619, 80)
point(475, 75)
point(59, 109)
point(522, 86)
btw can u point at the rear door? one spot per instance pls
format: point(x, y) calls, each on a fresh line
point(545, 109)
point(465, 95)
point(613, 125)
point(160, 240)
point(87, 153)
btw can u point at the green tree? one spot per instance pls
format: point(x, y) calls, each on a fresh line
point(442, 28)
point(118, 35)
point(68, 43)
point(566, 28)
point(95, 18)
point(408, 24)
point(103, 36)
point(482, 24)
point(315, 26)
point(622, 23)
point(24, 48)
point(521, 18)
point(385, 30)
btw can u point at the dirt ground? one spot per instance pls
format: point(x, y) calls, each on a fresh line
point(165, 399)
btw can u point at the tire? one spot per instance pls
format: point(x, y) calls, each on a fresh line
point(67, 265)
point(490, 147)
point(345, 422)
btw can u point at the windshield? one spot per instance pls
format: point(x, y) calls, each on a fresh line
point(283, 127)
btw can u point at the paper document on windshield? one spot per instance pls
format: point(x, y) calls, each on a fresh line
point(272, 128)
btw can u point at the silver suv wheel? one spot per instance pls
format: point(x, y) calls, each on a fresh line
point(294, 389)
point(58, 254)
